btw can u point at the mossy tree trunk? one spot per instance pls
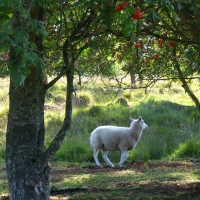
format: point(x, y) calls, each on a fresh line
point(25, 140)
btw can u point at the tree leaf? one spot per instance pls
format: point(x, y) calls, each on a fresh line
point(14, 72)
point(24, 70)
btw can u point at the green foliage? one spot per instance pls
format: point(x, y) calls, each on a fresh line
point(104, 38)
point(16, 37)
point(37, 27)
point(187, 150)
point(74, 153)
point(95, 111)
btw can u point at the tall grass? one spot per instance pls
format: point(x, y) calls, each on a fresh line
point(4, 85)
point(170, 122)
point(174, 126)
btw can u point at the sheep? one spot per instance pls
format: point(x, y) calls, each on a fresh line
point(111, 138)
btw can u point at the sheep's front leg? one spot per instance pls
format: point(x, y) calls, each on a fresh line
point(124, 156)
point(105, 157)
point(96, 158)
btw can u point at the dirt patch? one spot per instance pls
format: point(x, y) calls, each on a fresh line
point(137, 166)
point(156, 180)
point(138, 180)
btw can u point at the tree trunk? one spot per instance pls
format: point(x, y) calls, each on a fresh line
point(27, 178)
point(133, 80)
point(25, 140)
point(184, 83)
point(186, 86)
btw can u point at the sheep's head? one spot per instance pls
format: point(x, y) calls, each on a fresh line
point(140, 121)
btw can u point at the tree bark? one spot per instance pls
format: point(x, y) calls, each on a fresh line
point(184, 83)
point(25, 130)
point(68, 71)
point(186, 87)
point(25, 140)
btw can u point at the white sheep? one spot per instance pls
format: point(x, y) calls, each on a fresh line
point(111, 138)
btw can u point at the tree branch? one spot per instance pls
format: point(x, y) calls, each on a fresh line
point(184, 83)
point(56, 143)
point(171, 38)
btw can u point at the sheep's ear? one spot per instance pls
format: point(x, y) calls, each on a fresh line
point(140, 118)
point(131, 119)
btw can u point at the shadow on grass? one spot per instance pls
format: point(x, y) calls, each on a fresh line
point(151, 180)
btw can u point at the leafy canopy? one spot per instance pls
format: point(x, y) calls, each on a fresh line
point(139, 36)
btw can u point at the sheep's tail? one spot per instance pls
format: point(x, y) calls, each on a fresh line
point(91, 143)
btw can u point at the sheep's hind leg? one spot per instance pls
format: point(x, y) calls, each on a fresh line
point(105, 157)
point(96, 158)
point(124, 156)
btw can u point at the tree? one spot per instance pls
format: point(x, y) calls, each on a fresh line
point(159, 29)
point(77, 30)
point(28, 177)
point(26, 157)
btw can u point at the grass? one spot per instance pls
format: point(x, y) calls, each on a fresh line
point(4, 86)
point(3, 181)
point(173, 120)
point(139, 180)
point(173, 134)
point(148, 180)
point(166, 115)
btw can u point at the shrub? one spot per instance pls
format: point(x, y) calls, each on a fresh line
point(74, 153)
point(95, 111)
point(127, 95)
point(82, 99)
point(122, 101)
point(187, 149)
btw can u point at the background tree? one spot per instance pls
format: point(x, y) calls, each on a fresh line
point(159, 29)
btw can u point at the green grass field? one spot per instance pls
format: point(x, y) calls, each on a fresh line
point(171, 115)
point(174, 126)
point(173, 133)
